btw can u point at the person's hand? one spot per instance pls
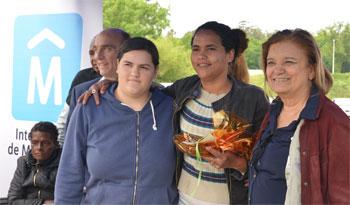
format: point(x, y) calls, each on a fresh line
point(226, 159)
point(96, 89)
point(48, 202)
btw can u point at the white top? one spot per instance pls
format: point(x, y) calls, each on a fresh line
point(292, 171)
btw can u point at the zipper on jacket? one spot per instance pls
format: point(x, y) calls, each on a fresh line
point(137, 157)
point(36, 173)
point(34, 178)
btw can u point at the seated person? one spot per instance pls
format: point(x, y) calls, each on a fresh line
point(35, 175)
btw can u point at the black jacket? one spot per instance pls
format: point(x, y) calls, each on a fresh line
point(247, 101)
point(33, 183)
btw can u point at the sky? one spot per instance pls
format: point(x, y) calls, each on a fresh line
point(268, 15)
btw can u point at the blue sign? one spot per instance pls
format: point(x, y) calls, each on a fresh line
point(46, 57)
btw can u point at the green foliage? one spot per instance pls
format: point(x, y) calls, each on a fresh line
point(340, 88)
point(252, 31)
point(186, 40)
point(141, 18)
point(253, 53)
point(257, 80)
point(174, 59)
point(256, 38)
point(340, 33)
point(137, 17)
point(345, 67)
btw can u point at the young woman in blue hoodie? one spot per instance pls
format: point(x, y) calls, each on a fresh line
point(121, 152)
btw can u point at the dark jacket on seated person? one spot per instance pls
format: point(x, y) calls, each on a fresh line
point(34, 183)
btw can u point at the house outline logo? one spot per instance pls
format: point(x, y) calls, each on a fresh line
point(47, 55)
point(46, 33)
point(54, 74)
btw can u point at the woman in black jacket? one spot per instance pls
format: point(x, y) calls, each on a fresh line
point(219, 84)
point(35, 175)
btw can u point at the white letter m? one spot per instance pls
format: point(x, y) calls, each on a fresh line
point(36, 78)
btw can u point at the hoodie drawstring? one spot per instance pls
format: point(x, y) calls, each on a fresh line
point(154, 117)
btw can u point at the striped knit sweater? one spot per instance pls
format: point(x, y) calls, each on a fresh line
point(196, 119)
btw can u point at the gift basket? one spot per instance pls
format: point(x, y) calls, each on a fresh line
point(230, 134)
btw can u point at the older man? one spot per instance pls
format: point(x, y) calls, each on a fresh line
point(105, 48)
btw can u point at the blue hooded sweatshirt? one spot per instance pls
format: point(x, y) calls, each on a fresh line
point(115, 155)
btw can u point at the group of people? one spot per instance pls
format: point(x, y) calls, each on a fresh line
point(122, 151)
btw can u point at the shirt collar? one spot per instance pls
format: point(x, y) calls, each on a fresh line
point(309, 112)
point(235, 86)
point(275, 110)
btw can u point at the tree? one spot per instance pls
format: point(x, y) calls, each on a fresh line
point(341, 34)
point(137, 17)
point(256, 38)
point(174, 58)
point(186, 39)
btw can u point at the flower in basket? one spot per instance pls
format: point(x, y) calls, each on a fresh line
point(229, 135)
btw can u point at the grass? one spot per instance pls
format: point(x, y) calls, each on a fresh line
point(340, 88)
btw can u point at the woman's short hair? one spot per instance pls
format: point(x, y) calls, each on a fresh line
point(323, 79)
